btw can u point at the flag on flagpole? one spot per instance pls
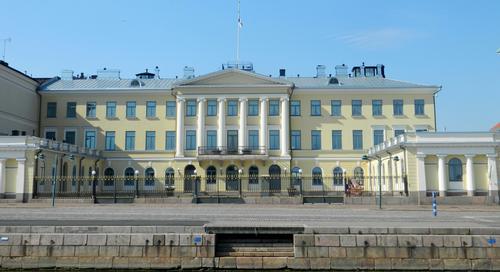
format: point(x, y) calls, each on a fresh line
point(240, 23)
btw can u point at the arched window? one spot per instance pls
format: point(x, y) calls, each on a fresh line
point(189, 177)
point(275, 178)
point(359, 175)
point(317, 176)
point(211, 175)
point(338, 176)
point(129, 176)
point(232, 178)
point(169, 177)
point(253, 175)
point(296, 175)
point(455, 169)
point(149, 177)
point(109, 177)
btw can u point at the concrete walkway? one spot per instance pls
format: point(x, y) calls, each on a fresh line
point(249, 215)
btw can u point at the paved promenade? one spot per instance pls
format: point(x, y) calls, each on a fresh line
point(249, 215)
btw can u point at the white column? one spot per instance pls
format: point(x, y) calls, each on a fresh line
point(263, 123)
point(422, 186)
point(492, 176)
point(285, 137)
point(441, 175)
point(179, 136)
point(242, 134)
point(470, 183)
point(200, 132)
point(390, 180)
point(221, 129)
point(2, 177)
point(20, 179)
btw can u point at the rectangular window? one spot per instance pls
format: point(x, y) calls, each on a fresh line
point(232, 140)
point(397, 105)
point(190, 139)
point(171, 108)
point(150, 140)
point(377, 107)
point(90, 139)
point(357, 139)
point(191, 107)
point(336, 139)
point(110, 140)
point(211, 139)
point(130, 140)
point(315, 107)
point(356, 108)
point(91, 109)
point(296, 142)
point(253, 139)
point(130, 113)
point(170, 140)
point(274, 139)
point(232, 107)
point(336, 108)
point(70, 137)
point(274, 107)
point(398, 132)
point(378, 136)
point(295, 108)
point(51, 109)
point(211, 107)
point(315, 139)
point(71, 110)
point(419, 107)
point(110, 109)
point(253, 107)
point(51, 135)
point(151, 109)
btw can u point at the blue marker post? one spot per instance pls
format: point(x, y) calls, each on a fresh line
point(434, 204)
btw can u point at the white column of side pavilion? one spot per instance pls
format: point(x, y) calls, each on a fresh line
point(242, 133)
point(179, 135)
point(263, 124)
point(441, 175)
point(20, 179)
point(221, 128)
point(2, 177)
point(285, 138)
point(492, 175)
point(200, 130)
point(470, 182)
point(421, 183)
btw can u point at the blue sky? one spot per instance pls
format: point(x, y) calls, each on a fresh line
point(448, 43)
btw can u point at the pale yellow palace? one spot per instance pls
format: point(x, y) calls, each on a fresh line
point(238, 122)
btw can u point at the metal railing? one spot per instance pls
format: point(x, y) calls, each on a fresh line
point(230, 150)
point(217, 186)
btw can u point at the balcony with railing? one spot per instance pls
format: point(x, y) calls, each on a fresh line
point(225, 152)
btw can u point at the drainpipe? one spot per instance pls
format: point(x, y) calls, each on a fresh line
point(434, 104)
point(80, 173)
point(405, 177)
point(35, 183)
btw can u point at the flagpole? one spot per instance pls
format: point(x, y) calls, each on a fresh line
point(238, 36)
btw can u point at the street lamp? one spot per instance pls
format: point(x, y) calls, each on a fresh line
point(367, 158)
point(136, 172)
point(240, 171)
point(300, 180)
point(93, 173)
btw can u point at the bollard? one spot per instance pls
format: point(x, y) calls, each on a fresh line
point(434, 203)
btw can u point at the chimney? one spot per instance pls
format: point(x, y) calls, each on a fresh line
point(320, 71)
point(341, 71)
point(282, 72)
point(157, 72)
point(188, 72)
point(67, 75)
point(108, 74)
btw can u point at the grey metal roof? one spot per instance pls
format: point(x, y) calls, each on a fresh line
point(352, 83)
point(110, 84)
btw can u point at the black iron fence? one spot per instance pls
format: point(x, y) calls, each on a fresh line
point(231, 150)
point(233, 185)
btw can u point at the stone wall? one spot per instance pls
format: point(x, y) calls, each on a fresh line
point(173, 247)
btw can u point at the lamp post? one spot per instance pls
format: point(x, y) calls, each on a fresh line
point(193, 178)
point(240, 172)
point(94, 186)
point(136, 172)
point(396, 159)
point(367, 158)
point(300, 180)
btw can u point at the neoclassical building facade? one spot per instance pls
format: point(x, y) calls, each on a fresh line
point(230, 122)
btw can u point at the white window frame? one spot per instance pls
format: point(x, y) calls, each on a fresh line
point(85, 136)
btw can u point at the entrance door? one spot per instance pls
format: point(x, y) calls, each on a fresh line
point(189, 176)
point(232, 178)
point(274, 179)
point(232, 141)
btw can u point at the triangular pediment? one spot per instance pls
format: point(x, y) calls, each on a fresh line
point(232, 77)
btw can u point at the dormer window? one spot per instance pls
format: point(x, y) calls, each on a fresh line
point(357, 71)
point(370, 71)
point(145, 75)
